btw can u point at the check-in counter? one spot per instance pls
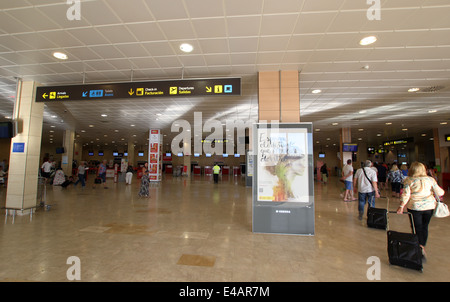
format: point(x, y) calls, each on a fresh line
point(236, 170)
point(169, 169)
point(197, 170)
point(226, 170)
point(208, 170)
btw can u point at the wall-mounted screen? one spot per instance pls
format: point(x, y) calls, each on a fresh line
point(349, 147)
point(6, 130)
point(60, 150)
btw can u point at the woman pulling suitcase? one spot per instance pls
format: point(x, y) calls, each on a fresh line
point(419, 196)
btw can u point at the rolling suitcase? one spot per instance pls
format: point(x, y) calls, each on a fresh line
point(66, 183)
point(377, 217)
point(403, 248)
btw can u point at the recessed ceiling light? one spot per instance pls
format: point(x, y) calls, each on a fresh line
point(60, 55)
point(432, 111)
point(363, 111)
point(443, 123)
point(405, 129)
point(316, 91)
point(424, 134)
point(8, 117)
point(185, 47)
point(413, 89)
point(104, 115)
point(334, 124)
point(388, 123)
point(368, 40)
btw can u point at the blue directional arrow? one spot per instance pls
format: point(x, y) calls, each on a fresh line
point(85, 94)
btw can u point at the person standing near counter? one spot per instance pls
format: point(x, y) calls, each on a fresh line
point(216, 171)
point(102, 173)
point(129, 175)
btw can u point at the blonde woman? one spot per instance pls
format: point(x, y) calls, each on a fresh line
point(419, 196)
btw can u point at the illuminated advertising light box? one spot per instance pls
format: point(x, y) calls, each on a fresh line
point(283, 179)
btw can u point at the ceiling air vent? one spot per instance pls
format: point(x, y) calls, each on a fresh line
point(431, 89)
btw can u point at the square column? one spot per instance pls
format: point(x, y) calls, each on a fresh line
point(25, 149)
point(279, 96)
point(67, 157)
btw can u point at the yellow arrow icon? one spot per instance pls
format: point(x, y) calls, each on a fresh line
point(45, 96)
point(208, 89)
point(131, 92)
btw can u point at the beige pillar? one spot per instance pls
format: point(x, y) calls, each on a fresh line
point(78, 152)
point(24, 163)
point(67, 156)
point(279, 96)
point(187, 164)
point(269, 96)
point(289, 97)
point(131, 153)
point(345, 137)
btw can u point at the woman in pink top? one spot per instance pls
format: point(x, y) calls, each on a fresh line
point(419, 195)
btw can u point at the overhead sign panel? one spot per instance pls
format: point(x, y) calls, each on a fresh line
point(173, 88)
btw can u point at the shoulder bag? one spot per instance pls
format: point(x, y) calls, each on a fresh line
point(441, 209)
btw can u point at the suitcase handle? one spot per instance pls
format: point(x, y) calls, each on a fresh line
point(413, 229)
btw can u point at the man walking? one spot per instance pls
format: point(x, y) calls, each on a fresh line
point(366, 181)
point(81, 175)
point(347, 175)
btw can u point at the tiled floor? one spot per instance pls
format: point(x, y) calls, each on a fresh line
point(194, 230)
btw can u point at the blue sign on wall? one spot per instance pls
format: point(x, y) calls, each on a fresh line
point(18, 148)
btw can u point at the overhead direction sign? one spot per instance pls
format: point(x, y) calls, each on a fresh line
point(172, 88)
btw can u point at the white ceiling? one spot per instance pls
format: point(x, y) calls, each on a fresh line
point(138, 40)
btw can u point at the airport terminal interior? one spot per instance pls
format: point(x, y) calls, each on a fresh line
point(165, 84)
